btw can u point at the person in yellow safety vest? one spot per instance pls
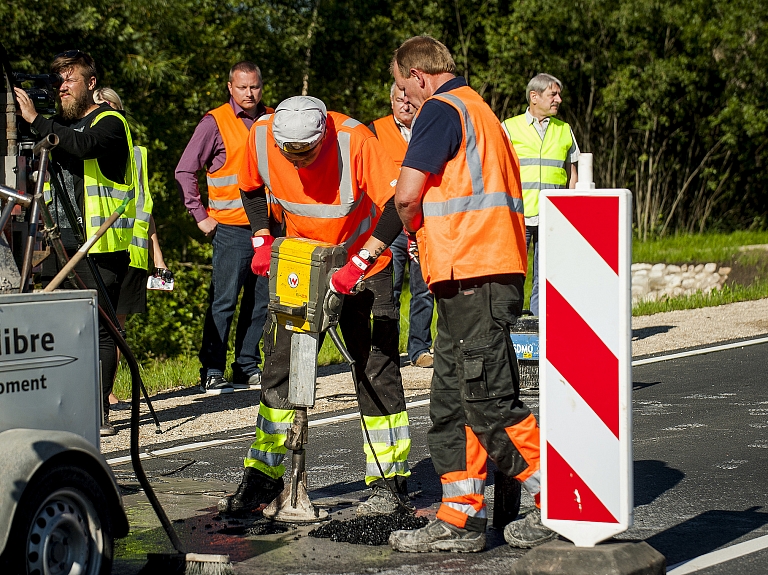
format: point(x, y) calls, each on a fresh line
point(133, 295)
point(334, 183)
point(92, 171)
point(459, 193)
point(548, 155)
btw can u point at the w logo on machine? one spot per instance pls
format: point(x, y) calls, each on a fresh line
point(293, 280)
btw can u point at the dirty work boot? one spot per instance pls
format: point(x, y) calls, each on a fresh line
point(437, 536)
point(529, 531)
point(382, 501)
point(255, 488)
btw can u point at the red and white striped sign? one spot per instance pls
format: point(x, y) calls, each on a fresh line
point(585, 241)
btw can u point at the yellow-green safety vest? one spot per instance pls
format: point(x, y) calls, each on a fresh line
point(542, 162)
point(141, 211)
point(103, 196)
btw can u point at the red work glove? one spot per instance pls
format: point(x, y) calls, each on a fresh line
point(345, 280)
point(413, 247)
point(262, 252)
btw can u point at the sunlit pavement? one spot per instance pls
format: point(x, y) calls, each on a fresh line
point(700, 435)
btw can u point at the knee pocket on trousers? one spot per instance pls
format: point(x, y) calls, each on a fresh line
point(486, 371)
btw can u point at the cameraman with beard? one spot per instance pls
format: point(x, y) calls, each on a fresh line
point(92, 170)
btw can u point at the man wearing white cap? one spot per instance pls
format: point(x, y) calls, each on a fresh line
point(328, 178)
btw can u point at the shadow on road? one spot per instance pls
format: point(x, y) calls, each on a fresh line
point(705, 533)
point(643, 332)
point(652, 479)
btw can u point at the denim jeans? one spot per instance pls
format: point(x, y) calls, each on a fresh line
point(532, 237)
point(232, 254)
point(422, 301)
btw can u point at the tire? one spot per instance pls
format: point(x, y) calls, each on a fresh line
point(61, 527)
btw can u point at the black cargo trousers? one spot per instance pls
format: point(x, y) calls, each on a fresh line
point(475, 407)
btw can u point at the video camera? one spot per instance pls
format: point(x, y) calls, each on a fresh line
point(42, 91)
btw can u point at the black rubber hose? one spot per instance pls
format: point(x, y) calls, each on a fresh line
point(347, 356)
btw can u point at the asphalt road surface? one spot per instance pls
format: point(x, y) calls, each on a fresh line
point(700, 469)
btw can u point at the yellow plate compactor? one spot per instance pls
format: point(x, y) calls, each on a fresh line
point(300, 299)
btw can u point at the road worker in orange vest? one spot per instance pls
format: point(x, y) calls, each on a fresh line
point(331, 181)
point(394, 133)
point(459, 193)
point(218, 147)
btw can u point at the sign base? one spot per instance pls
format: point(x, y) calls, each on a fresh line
point(612, 558)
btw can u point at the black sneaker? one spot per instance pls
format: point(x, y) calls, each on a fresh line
point(107, 429)
point(255, 488)
point(529, 531)
point(216, 385)
point(252, 381)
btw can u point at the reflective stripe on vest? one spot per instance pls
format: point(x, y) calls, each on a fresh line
point(103, 196)
point(139, 248)
point(347, 202)
point(542, 161)
point(477, 191)
point(480, 199)
point(224, 202)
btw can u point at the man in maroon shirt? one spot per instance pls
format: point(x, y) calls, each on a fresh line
point(217, 147)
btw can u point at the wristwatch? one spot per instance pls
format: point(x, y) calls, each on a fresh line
point(366, 255)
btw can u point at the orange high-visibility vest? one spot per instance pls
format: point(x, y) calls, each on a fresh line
point(224, 202)
point(473, 210)
point(338, 199)
point(390, 137)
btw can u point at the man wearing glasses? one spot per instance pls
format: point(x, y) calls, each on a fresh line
point(92, 171)
point(330, 180)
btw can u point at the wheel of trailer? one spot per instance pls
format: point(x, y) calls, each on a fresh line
point(62, 526)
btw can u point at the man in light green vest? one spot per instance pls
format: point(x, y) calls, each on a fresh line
point(548, 154)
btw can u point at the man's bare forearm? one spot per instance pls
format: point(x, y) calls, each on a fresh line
point(408, 197)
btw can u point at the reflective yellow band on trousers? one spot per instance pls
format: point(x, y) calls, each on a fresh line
point(268, 449)
point(391, 441)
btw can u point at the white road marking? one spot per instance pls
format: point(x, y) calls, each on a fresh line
point(702, 351)
point(213, 443)
point(720, 556)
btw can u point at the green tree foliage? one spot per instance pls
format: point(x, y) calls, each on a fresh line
point(667, 95)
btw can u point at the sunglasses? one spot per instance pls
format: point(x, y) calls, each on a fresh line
point(70, 54)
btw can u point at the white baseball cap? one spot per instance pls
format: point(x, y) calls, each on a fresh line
point(299, 124)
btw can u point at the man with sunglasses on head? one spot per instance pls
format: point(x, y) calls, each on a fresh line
point(328, 178)
point(217, 146)
point(92, 170)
